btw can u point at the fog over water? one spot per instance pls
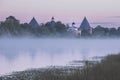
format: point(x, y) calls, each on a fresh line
point(17, 54)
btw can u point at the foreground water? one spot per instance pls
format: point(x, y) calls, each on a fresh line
point(18, 54)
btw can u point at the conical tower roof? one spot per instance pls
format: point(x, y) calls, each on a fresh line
point(33, 22)
point(85, 24)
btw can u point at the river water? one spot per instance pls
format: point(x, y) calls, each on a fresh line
point(17, 54)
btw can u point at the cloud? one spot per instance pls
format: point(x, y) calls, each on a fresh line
point(103, 23)
point(114, 16)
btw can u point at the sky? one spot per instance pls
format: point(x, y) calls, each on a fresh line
point(96, 11)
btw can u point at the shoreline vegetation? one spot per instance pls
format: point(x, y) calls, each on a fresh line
point(12, 27)
point(106, 69)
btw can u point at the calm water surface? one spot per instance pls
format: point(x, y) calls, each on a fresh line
point(21, 53)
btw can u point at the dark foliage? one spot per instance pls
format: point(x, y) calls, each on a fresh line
point(12, 27)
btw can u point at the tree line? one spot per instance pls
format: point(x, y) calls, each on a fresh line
point(11, 26)
point(110, 32)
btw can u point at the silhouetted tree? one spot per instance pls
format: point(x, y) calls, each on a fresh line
point(112, 32)
point(50, 28)
point(99, 31)
point(118, 31)
point(25, 29)
point(60, 27)
point(11, 25)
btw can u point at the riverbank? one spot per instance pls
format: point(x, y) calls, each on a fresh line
point(107, 69)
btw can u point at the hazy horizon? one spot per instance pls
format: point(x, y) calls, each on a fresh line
point(77, 24)
point(97, 11)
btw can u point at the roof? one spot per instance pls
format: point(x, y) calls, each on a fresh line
point(33, 22)
point(52, 23)
point(85, 24)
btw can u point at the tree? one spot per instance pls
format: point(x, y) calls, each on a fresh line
point(60, 27)
point(25, 29)
point(50, 28)
point(0, 29)
point(11, 25)
point(118, 31)
point(99, 31)
point(113, 32)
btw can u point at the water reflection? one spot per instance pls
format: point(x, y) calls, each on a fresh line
point(21, 54)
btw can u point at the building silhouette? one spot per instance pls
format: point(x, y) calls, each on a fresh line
point(85, 28)
point(52, 23)
point(33, 22)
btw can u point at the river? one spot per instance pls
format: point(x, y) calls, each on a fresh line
point(17, 54)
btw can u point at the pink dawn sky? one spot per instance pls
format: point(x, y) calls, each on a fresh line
point(63, 10)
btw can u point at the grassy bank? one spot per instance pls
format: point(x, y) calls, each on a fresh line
point(107, 69)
